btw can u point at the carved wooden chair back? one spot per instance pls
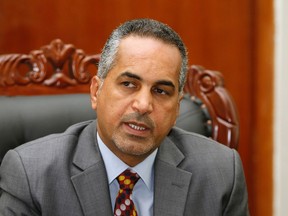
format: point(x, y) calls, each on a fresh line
point(208, 86)
point(56, 68)
point(60, 68)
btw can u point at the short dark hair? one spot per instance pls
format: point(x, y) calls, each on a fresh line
point(143, 28)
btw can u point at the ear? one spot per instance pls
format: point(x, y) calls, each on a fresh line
point(94, 89)
point(178, 106)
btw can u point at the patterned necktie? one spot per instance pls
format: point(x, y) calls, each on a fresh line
point(124, 205)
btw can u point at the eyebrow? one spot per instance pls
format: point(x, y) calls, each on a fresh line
point(130, 75)
point(159, 82)
point(165, 82)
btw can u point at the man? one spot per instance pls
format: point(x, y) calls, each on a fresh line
point(136, 94)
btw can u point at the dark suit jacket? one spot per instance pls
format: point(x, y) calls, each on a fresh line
point(64, 174)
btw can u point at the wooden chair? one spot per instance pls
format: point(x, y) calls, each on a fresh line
point(47, 90)
point(56, 68)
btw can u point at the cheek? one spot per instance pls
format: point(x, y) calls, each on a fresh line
point(165, 117)
point(112, 107)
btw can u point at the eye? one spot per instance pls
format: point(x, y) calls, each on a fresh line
point(128, 84)
point(160, 91)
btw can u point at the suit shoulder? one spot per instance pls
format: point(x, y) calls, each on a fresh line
point(202, 153)
point(194, 144)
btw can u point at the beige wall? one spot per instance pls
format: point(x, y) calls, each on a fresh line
point(281, 107)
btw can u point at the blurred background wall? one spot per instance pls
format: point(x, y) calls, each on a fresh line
point(235, 37)
point(280, 108)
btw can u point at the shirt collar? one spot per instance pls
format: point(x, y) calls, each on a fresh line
point(115, 166)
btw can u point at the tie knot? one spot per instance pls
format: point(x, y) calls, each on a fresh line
point(127, 179)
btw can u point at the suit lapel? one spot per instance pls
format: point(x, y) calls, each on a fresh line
point(89, 175)
point(171, 182)
point(91, 184)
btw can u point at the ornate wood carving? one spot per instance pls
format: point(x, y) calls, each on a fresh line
point(60, 68)
point(208, 86)
point(57, 64)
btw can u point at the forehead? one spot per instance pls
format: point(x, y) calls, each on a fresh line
point(148, 54)
point(134, 44)
point(148, 58)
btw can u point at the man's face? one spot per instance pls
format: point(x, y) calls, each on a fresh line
point(138, 102)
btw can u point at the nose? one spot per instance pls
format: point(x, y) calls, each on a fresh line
point(143, 102)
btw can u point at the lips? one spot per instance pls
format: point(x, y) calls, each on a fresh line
point(136, 127)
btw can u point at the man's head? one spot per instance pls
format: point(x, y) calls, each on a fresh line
point(137, 91)
point(142, 28)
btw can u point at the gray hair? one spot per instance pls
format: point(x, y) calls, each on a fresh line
point(143, 28)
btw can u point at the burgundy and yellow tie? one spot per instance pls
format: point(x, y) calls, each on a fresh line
point(124, 205)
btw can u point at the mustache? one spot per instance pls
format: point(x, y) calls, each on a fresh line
point(145, 119)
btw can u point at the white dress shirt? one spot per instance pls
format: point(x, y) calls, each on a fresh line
point(143, 192)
